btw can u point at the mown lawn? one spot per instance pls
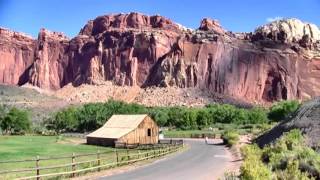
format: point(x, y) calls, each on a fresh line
point(28, 147)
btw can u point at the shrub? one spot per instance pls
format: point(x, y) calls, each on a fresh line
point(292, 172)
point(288, 158)
point(230, 138)
point(230, 176)
point(281, 110)
point(252, 167)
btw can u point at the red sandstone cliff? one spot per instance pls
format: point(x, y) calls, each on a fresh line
point(16, 57)
point(274, 62)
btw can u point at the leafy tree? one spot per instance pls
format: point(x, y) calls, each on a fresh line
point(2, 115)
point(281, 110)
point(176, 117)
point(15, 122)
point(203, 118)
point(241, 116)
point(257, 116)
point(160, 116)
point(91, 116)
point(66, 120)
point(190, 118)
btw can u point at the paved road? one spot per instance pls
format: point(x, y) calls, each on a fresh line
point(200, 161)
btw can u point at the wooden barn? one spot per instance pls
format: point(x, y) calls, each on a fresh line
point(129, 129)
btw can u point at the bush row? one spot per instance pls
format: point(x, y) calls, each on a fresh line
point(91, 116)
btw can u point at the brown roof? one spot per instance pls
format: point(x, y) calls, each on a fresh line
point(118, 126)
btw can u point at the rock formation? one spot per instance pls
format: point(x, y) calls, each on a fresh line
point(280, 60)
point(16, 57)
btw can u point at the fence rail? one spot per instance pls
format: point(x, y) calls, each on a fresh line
point(162, 142)
point(98, 162)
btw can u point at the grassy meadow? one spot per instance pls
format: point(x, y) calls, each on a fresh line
point(29, 147)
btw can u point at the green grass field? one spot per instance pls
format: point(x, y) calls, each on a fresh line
point(28, 147)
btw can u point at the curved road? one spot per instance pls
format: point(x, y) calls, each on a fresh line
point(200, 161)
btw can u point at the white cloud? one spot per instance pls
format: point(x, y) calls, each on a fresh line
point(271, 19)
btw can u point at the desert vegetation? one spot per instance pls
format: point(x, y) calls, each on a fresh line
point(288, 158)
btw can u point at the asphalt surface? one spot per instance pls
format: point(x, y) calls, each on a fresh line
point(200, 161)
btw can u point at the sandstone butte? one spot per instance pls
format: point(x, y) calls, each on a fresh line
point(279, 60)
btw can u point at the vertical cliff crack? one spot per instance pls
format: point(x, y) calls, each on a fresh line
point(209, 69)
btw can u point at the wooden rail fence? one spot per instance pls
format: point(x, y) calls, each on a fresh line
point(98, 162)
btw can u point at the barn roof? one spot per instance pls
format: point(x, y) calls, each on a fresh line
point(118, 126)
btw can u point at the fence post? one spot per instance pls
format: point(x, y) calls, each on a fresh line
point(139, 154)
point(37, 166)
point(146, 155)
point(128, 155)
point(117, 157)
point(73, 166)
point(98, 158)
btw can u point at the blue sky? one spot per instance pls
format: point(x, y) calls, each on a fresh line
point(69, 16)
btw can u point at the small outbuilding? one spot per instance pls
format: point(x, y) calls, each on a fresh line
point(129, 129)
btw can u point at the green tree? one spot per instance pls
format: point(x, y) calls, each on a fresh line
point(281, 110)
point(203, 118)
point(257, 116)
point(176, 117)
point(241, 116)
point(160, 116)
point(190, 117)
point(89, 117)
point(15, 122)
point(66, 120)
point(2, 115)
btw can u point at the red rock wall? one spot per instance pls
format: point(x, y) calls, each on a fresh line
point(134, 49)
point(16, 57)
point(51, 59)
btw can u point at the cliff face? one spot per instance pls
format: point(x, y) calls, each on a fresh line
point(16, 57)
point(51, 60)
point(277, 61)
